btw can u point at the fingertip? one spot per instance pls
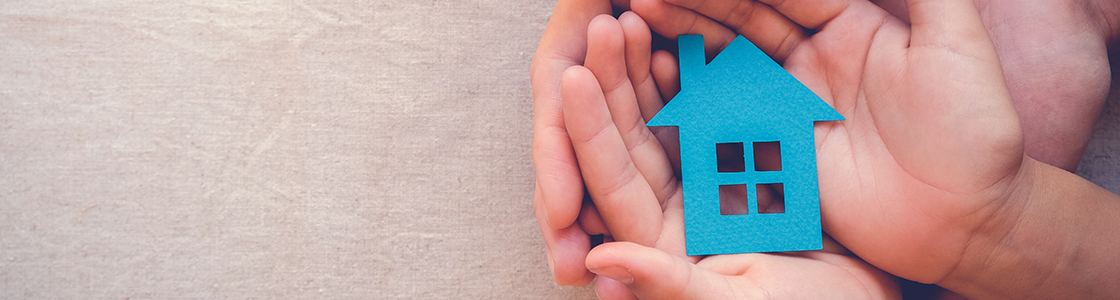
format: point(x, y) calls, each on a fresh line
point(572, 75)
point(631, 263)
point(632, 22)
point(656, 14)
point(671, 20)
point(566, 246)
point(584, 106)
point(577, 87)
point(603, 28)
point(652, 273)
point(637, 41)
point(606, 51)
point(566, 253)
point(558, 193)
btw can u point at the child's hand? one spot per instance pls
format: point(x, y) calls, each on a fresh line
point(927, 177)
point(557, 199)
point(931, 146)
point(639, 202)
point(1053, 55)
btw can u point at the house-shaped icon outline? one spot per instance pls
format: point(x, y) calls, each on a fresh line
point(743, 96)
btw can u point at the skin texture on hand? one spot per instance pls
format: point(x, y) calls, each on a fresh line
point(929, 146)
point(559, 178)
point(927, 177)
point(559, 190)
point(1054, 55)
point(558, 197)
point(625, 166)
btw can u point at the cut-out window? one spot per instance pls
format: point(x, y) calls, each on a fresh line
point(771, 198)
point(767, 156)
point(733, 199)
point(729, 158)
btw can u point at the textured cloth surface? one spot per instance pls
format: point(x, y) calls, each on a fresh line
point(263, 149)
point(279, 149)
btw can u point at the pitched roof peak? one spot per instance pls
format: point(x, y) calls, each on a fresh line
point(741, 82)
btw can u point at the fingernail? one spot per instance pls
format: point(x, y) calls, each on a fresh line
point(617, 273)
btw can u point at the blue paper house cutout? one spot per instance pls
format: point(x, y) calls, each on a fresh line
point(744, 98)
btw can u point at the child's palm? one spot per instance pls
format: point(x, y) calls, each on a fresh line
point(632, 183)
point(930, 146)
point(930, 143)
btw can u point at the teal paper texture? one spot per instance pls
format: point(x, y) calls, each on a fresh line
point(743, 96)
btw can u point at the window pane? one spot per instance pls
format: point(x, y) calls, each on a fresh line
point(771, 198)
point(733, 199)
point(767, 156)
point(729, 157)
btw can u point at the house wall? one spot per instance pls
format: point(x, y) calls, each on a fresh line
point(709, 232)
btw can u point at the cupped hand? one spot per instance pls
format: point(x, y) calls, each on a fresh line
point(931, 146)
point(1055, 56)
point(558, 196)
point(639, 200)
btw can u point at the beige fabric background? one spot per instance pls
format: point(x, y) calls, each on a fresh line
point(279, 149)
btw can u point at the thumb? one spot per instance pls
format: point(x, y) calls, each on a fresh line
point(947, 116)
point(653, 274)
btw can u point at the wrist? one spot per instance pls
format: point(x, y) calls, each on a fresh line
point(1050, 239)
point(987, 250)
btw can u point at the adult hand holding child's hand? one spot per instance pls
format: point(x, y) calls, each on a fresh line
point(639, 200)
point(926, 178)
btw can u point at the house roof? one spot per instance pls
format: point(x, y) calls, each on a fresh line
point(742, 85)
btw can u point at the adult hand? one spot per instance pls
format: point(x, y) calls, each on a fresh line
point(927, 178)
point(559, 188)
point(1054, 55)
point(632, 182)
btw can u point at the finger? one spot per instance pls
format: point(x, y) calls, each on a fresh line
point(652, 274)
point(557, 174)
point(564, 45)
point(764, 26)
point(638, 60)
point(785, 275)
point(589, 218)
point(953, 23)
point(812, 14)
point(671, 20)
point(591, 221)
point(666, 73)
point(623, 197)
point(610, 289)
point(606, 58)
point(566, 249)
